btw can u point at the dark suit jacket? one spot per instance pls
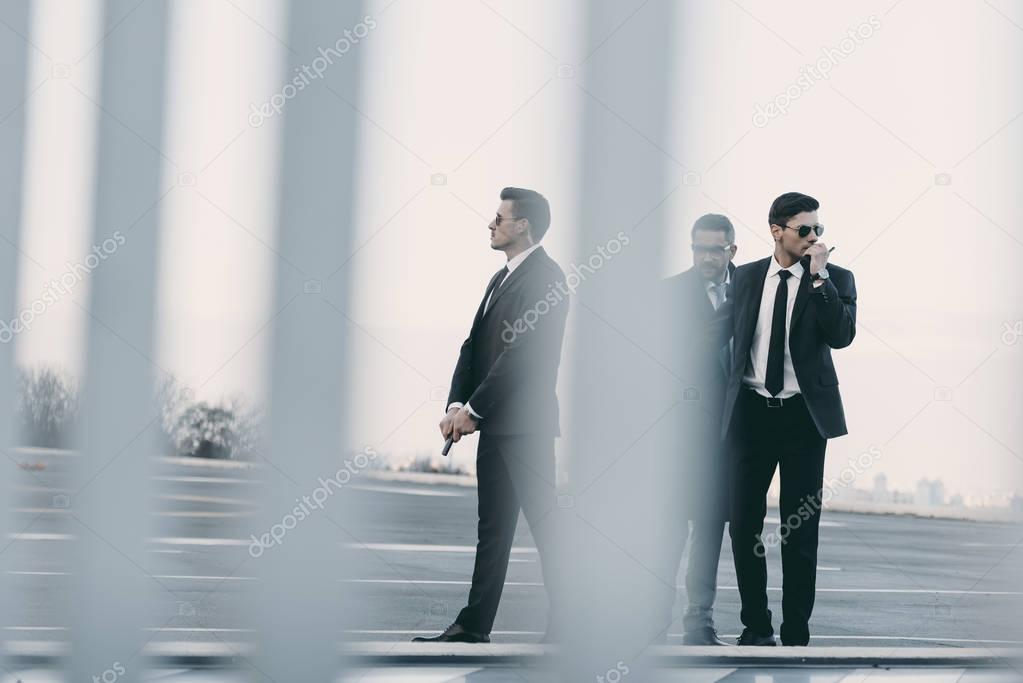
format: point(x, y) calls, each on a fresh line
point(821, 320)
point(700, 366)
point(507, 368)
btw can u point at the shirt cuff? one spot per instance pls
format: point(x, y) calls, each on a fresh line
point(456, 404)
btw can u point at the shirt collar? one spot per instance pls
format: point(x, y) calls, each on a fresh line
point(796, 269)
point(517, 261)
point(728, 278)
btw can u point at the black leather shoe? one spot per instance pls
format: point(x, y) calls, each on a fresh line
point(455, 634)
point(702, 636)
point(749, 637)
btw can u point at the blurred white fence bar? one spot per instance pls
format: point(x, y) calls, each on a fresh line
point(13, 91)
point(112, 497)
point(299, 608)
point(619, 388)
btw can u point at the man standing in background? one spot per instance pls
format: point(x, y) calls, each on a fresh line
point(698, 458)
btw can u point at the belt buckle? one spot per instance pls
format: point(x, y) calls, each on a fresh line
point(774, 402)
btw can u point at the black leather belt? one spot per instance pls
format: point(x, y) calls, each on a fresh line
point(773, 401)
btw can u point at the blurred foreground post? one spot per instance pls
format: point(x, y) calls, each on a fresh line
point(112, 500)
point(302, 605)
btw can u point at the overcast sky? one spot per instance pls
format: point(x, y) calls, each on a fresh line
point(910, 143)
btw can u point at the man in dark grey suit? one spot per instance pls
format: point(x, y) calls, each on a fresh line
point(698, 461)
point(785, 313)
point(504, 386)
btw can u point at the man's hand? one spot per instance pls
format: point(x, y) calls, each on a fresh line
point(462, 424)
point(447, 424)
point(818, 253)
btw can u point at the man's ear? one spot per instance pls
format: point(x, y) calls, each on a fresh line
point(529, 232)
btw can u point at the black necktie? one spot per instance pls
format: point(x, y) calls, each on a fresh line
point(501, 275)
point(776, 352)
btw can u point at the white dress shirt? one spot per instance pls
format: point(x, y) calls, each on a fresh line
point(710, 290)
point(512, 264)
point(756, 366)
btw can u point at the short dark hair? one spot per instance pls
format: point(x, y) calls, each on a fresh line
point(788, 205)
point(717, 222)
point(532, 206)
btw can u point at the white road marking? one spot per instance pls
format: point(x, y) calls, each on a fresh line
point(183, 629)
point(823, 522)
point(384, 632)
point(189, 577)
point(438, 582)
point(43, 511)
point(408, 491)
point(35, 628)
point(202, 514)
point(161, 540)
point(907, 591)
point(165, 629)
point(188, 540)
point(170, 577)
point(426, 548)
point(209, 463)
point(26, 536)
point(870, 637)
point(199, 514)
point(207, 480)
point(219, 500)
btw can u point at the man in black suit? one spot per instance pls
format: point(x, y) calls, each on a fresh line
point(785, 314)
point(698, 459)
point(504, 386)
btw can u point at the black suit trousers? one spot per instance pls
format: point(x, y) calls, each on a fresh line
point(763, 438)
point(512, 473)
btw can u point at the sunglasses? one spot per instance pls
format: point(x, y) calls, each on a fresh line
point(804, 230)
point(711, 251)
point(500, 219)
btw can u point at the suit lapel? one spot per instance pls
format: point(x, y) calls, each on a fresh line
point(802, 296)
point(697, 293)
point(751, 304)
point(512, 278)
point(486, 293)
